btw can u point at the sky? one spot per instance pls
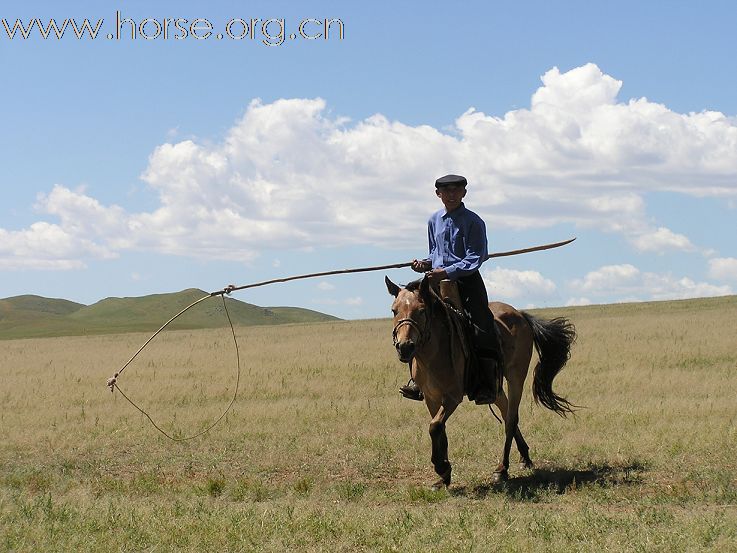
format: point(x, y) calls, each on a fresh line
point(150, 164)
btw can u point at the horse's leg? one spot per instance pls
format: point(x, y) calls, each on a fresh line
point(511, 419)
point(440, 449)
point(440, 443)
point(524, 450)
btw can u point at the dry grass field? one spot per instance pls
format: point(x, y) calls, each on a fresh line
point(320, 453)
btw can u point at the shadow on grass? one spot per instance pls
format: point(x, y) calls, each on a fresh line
point(558, 480)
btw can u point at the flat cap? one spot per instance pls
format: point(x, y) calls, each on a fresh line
point(451, 180)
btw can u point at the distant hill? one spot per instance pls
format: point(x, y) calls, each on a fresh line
point(35, 316)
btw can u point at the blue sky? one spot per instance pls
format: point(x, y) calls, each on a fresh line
point(140, 166)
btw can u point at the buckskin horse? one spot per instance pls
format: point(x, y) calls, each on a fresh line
point(427, 335)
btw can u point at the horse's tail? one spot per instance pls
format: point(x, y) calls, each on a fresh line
point(553, 340)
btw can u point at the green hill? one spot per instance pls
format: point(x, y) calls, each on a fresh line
point(29, 315)
point(35, 316)
point(38, 304)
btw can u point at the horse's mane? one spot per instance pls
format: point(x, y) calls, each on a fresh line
point(414, 285)
point(456, 320)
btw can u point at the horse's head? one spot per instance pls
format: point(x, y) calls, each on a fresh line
point(411, 308)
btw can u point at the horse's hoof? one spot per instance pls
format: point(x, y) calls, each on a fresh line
point(500, 476)
point(444, 480)
point(439, 485)
point(526, 464)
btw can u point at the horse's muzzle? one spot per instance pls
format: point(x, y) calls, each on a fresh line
point(406, 350)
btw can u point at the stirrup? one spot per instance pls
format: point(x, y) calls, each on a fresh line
point(411, 391)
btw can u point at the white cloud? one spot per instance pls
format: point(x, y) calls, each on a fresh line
point(627, 283)
point(508, 284)
point(661, 240)
point(46, 246)
point(723, 268)
point(83, 216)
point(667, 287)
point(609, 277)
point(578, 302)
point(289, 174)
point(325, 286)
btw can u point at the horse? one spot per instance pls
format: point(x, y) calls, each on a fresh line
point(428, 337)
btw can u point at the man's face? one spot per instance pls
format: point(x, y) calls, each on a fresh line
point(451, 196)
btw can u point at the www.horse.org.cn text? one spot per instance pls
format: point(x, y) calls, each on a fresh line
point(270, 32)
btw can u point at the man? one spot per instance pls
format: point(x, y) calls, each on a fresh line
point(458, 247)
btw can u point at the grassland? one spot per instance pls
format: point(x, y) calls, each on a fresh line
point(320, 453)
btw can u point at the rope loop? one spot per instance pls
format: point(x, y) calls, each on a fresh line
point(112, 383)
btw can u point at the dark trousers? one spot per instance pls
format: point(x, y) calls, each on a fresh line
point(476, 302)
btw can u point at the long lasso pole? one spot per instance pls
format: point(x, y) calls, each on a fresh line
point(232, 288)
point(112, 383)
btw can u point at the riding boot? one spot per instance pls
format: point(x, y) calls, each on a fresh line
point(488, 379)
point(412, 391)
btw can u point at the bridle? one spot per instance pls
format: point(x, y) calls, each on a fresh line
point(424, 333)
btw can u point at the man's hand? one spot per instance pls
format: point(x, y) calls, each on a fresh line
point(421, 266)
point(436, 275)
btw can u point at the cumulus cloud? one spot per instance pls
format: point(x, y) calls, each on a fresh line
point(509, 284)
point(46, 246)
point(627, 283)
point(609, 277)
point(661, 240)
point(290, 174)
point(83, 216)
point(723, 268)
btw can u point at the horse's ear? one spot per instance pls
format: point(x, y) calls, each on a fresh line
point(393, 288)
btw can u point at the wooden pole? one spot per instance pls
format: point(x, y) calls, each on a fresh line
point(232, 288)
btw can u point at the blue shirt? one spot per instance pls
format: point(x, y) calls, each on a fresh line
point(457, 241)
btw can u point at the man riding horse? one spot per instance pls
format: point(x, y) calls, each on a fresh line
point(458, 247)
